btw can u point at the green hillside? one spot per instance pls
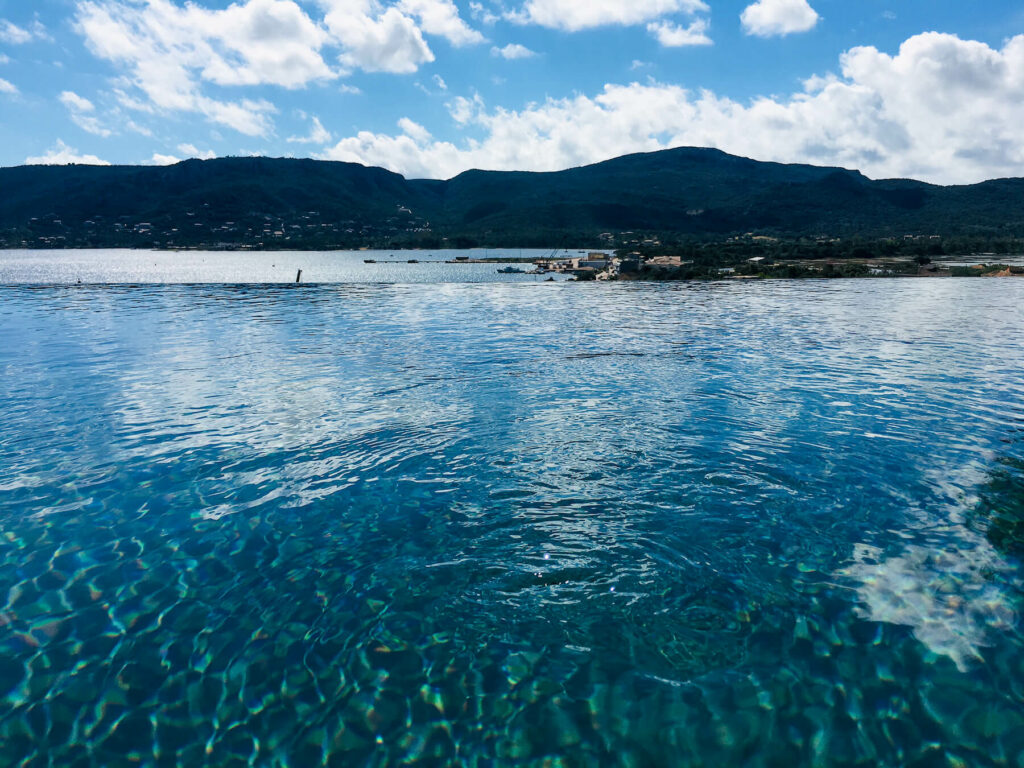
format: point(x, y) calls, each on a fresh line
point(285, 203)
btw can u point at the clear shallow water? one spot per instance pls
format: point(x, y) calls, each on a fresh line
point(716, 524)
point(122, 266)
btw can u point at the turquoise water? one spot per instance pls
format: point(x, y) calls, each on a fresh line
point(771, 524)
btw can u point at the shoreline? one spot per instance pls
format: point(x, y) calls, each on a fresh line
point(174, 267)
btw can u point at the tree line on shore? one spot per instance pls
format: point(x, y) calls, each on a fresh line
point(687, 197)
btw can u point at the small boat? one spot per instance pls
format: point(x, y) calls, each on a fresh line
point(511, 271)
point(369, 261)
point(413, 261)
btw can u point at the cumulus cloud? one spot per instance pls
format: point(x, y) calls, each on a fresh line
point(673, 35)
point(513, 51)
point(379, 38)
point(574, 15)
point(169, 50)
point(771, 18)
point(390, 42)
point(441, 17)
point(62, 154)
point(159, 159)
point(317, 135)
point(942, 109)
point(4, 58)
point(7, 87)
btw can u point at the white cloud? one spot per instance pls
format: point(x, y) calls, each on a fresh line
point(350, 89)
point(482, 14)
point(142, 130)
point(317, 135)
point(513, 51)
point(376, 37)
point(4, 58)
point(80, 110)
point(441, 17)
point(169, 51)
point(159, 159)
point(574, 15)
point(62, 154)
point(190, 150)
point(673, 35)
point(263, 42)
point(248, 116)
point(39, 32)
point(439, 83)
point(7, 87)
point(73, 101)
point(389, 42)
point(942, 109)
point(13, 34)
point(125, 99)
point(463, 110)
point(399, 153)
point(770, 18)
point(414, 131)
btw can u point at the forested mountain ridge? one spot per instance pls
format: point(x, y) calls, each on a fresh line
point(702, 194)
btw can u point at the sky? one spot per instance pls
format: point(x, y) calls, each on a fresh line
point(925, 89)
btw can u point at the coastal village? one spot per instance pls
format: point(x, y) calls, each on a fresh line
point(628, 255)
point(599, 265)
point(602, 266)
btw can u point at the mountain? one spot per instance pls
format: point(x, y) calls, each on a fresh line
point(287, 203)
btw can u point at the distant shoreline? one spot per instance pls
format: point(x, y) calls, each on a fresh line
point(81, 266)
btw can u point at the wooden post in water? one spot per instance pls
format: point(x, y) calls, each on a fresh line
point(298, 277)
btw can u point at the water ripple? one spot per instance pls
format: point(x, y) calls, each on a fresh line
point(760, 524)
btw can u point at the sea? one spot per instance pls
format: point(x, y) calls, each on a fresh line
point(484, 520)
point(125, 266)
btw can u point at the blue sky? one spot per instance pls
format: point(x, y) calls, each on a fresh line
point(925, 89)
